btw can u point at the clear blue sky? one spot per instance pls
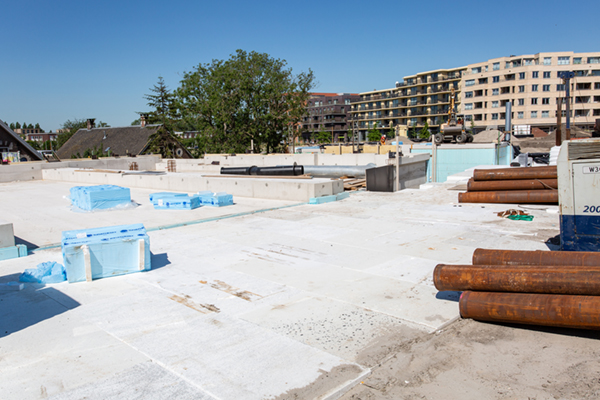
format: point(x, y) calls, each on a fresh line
point(81, 59)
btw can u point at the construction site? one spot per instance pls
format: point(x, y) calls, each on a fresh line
point(414, 271)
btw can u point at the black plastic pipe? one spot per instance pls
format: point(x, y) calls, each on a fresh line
point(282, 170)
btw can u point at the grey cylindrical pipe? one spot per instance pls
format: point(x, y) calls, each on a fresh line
point(334, 171)
point(507, 127)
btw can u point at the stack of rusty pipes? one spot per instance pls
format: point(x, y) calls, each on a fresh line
point(550, 288)
point(530, 185)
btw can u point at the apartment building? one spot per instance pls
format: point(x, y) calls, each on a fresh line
point(329, 112)
point(532, 85)
point(419, 99)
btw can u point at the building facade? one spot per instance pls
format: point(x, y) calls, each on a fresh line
point(419, 100)
point(40, 137)
point(328, 112)
point(531, 83)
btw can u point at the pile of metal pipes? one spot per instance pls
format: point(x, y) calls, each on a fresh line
point(549, 288)
point(530, 185)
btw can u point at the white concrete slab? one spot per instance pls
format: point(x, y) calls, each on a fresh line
point(241, 305)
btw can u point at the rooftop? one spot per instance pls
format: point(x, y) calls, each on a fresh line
point(262, 299)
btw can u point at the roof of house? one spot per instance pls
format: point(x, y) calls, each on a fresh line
point(120, 140)
point(21, 144)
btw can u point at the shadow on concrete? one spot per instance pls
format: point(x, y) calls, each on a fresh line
point(448, 295)
point(159, 260)
point(581, 333)
point(30, 246)
point(553, 243)
point(27, 307)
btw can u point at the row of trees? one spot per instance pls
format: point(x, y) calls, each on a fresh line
point(17, 125)
point(251, 99)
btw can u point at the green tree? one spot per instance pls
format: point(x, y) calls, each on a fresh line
point(102, 124)
point(323, 136)
point(163, 104)
point(71, 127)
point(249, 97)
point(136, 122)
point(424, 132)
point(373, 134)
point(17, 126)
point(30, 126)
point(12, 126)
point(37, 126)
point(24, 125)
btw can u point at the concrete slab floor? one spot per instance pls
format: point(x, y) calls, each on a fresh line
point(297, 301)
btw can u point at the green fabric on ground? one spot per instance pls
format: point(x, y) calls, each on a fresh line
point(520, 217)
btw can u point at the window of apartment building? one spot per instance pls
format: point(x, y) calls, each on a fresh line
point(546, 74)
point(521, 102)
point(495, 79)
point(546, 100)
point(534, 100)
point(595, 72)
point(483, 81)
point(546, 88)
point(596, 99)
point(593, 60)
point(496, 66)
point(521, 75)
point(476, 70)
point(521, 88)
point(560, 87)
point(529, 61)
point(534, 88)
point(520, 115)
point(495, 104)
point(534, 114)
point(535, 74)
point(328, 101)
point(495, 92)
point(576, 60)
point(468, 95)
point(564, 60)
point(347, 101)
point(545, 114)
point(597, 85)
point(494, 116)
point(547, 60)
point(434, 98)
point(468, 106)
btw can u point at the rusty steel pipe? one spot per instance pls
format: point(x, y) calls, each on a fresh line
point(560, 310)
point(517, 184)
point(536, 257)
point(515, 173)
point(550, 279)
point(511, 197)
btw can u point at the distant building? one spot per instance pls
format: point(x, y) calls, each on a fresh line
point(12, 143)
point(530, 83)
point(329, 112)
point(40, 137)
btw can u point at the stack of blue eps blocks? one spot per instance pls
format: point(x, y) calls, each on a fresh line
point(174, 201)
point(220, 199)
point(104, 252)
point(99, 197)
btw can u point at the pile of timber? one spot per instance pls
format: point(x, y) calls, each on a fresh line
point(354, 184)
point(530, 185)
point(550, 288)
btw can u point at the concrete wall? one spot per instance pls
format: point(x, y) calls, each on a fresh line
point(261, 160)
point(281, 189)
point(33, 170)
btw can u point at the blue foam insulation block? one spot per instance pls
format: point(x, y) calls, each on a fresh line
point(99, 197)
point(328, 199)
point(104, 252)
point(174, 201)
point(19, 250)
point(220, 199)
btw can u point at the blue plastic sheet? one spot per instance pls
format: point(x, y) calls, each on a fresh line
point(46, 272)
point(174, 201)
point(100, 197)
point(113, 250)
point(208, 198)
